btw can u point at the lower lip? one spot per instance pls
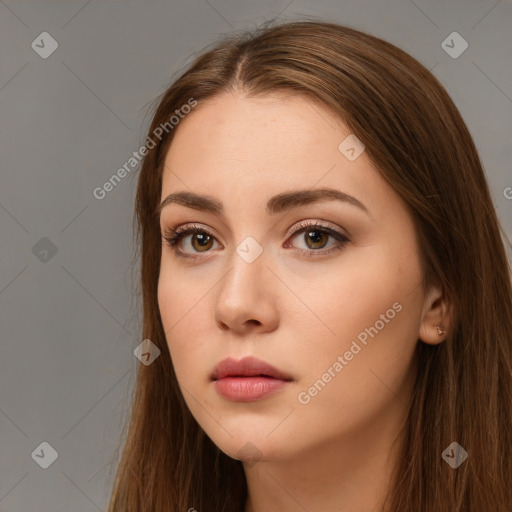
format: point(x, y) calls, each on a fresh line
point(248, 389)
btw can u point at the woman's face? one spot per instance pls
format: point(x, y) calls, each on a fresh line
point(336, 308)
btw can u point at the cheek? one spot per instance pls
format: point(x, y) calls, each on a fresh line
point(182, 296)
point(370, 314)
point(183, 313)
point(351, 294)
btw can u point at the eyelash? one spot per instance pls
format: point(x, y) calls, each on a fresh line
point(173, 236)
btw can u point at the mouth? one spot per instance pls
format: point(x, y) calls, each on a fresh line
point(247, 367)
point(248, 379)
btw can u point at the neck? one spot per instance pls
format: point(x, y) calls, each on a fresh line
point(353, 473)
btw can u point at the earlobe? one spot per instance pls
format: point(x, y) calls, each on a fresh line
point(432, 334)
point(435, 320)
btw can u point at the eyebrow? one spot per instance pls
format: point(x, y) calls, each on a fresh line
point(276, 204)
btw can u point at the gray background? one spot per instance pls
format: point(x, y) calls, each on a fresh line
point(69, 322)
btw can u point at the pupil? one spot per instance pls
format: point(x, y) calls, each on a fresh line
point(316, 239)
point(202, 239)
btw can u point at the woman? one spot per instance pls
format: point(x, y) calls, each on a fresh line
point(323, 273)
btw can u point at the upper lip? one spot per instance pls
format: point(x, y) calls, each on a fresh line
point(247, 367)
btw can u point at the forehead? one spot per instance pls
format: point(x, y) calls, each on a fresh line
point(232, 126)
point(248, 148)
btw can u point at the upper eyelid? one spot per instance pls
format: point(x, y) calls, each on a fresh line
point(182, 231)
point(317, 224)
point(297, 226)
point(296, 229)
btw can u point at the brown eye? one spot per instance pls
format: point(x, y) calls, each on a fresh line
point(201, 242)
point(316, 239)
point(189, 241)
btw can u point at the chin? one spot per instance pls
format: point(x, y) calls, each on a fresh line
point(252, 446)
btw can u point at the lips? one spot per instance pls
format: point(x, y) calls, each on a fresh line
point(248, 380)
point(247, 367)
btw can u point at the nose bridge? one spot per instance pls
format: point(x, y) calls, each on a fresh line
point(247, 263)
point(244, 291)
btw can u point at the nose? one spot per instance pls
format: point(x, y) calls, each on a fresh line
point(246, 300)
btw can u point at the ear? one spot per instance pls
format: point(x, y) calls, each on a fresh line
point(435, 320)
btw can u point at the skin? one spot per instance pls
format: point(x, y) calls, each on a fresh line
point(298, 313)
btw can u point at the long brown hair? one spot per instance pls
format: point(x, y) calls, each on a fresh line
point(416, 137)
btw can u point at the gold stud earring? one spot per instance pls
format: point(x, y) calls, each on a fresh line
point(440, 331)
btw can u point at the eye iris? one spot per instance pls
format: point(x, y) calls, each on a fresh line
point(316, 239)
point(203, 239)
